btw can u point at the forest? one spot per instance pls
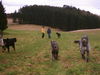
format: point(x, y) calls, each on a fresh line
point(66, 18)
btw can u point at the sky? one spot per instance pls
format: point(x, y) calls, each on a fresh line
point(88, 5)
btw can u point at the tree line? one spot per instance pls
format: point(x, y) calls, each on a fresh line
point(3, 19)
point(65, 18)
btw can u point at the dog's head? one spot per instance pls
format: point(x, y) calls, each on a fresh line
point(53, 42)
point(84, 40)
point(54, 45)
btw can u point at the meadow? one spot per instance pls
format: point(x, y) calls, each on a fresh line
point(33, 54)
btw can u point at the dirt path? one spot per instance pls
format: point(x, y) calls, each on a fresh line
point(86, 30)
point(24, 27)
point(16, 26)
point(38, 27)
point(30, 27)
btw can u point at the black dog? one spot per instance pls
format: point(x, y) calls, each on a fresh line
point(84, 47)
point(58, 34)
point(9, 42)
point(55, 50)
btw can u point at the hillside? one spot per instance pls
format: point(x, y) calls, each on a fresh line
point(32, 27)
point(33, 54)
point(66, 18)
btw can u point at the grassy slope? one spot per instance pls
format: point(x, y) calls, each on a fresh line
point(33, 57)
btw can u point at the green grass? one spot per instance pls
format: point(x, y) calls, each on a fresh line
point(33, 57)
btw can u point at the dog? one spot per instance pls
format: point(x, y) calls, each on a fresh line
point(58, 34)
point(55, 50)
point(84, 47)
point(9, 42)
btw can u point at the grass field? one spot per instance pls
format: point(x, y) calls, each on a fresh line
point(33, 57)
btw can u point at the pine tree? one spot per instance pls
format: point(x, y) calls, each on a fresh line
point(14, 15)
point(3, 18)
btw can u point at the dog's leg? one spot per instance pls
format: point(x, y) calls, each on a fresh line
point(83, 54)
point(13, 46)
point(4, 48)
point(56, 55)
point(53, 57)
point(8, 48)
point(87, 56)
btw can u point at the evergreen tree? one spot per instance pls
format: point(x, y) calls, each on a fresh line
point(66, 18)
point(3, 18)
point(14, 16)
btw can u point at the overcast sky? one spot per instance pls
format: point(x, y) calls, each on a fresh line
point(88, 5)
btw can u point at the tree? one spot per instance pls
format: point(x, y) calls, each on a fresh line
point(3, 18)
point(14, 16)
point(65, 18)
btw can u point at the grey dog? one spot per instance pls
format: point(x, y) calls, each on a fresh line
point(55, 50)
point(84, 47)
